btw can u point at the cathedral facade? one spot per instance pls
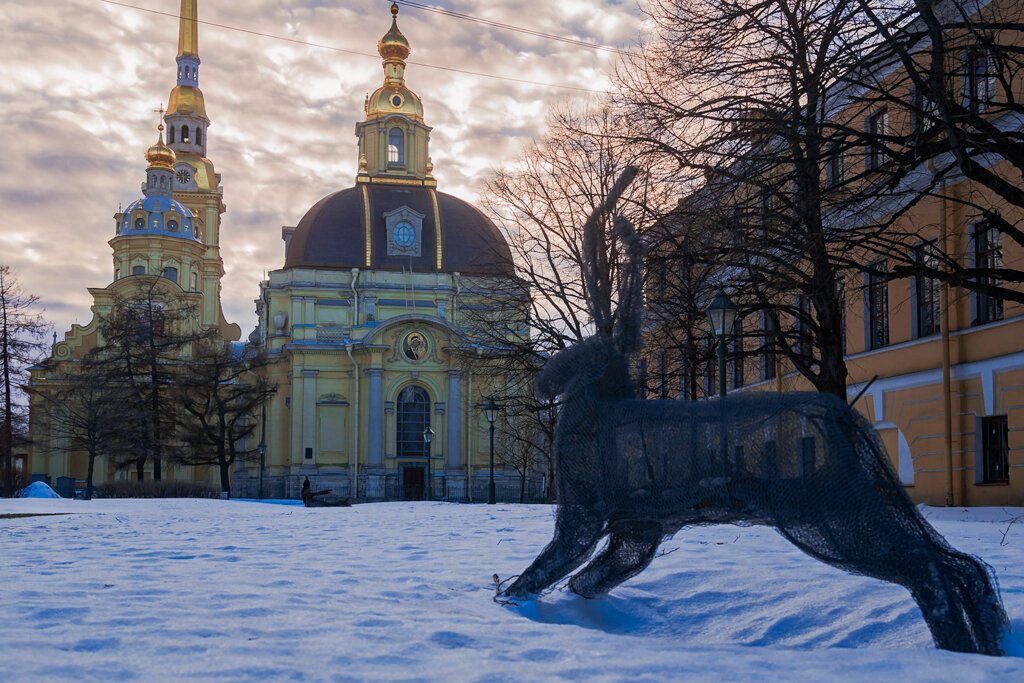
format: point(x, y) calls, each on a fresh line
point(370, 323)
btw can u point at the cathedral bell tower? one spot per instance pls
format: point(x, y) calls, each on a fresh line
point(196, 183)
point(393, 140)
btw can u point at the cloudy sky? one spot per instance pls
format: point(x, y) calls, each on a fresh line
point(81, 80)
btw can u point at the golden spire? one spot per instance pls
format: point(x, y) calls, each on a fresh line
point(394, 48)
point(160, 155)
point(188, 30)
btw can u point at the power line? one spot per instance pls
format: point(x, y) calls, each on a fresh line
point(333, 48)
point(510, 27)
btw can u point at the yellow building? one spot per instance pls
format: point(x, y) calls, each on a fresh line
point(938, 370)
point(368, 318)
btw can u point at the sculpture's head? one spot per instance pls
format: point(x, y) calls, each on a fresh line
point(593, 365)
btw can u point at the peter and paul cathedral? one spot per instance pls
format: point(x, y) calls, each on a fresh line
point(367, 322)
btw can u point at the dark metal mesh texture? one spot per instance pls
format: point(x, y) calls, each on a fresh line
point(805, 463)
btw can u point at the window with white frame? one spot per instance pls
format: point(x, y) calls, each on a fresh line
point(736, 349)
point(995, 465)
point(877, 129)
point(769, 338)
point(926, 291)
point(987, 254)
point(835, 171)
point(396, 146)
point(980, 80)
point(877, 297)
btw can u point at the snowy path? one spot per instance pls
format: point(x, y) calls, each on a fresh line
point(161, 590)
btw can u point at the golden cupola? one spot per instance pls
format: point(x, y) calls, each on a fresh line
point(393, 44)
point(160, 155)
point(393, 140)
point(393, 97)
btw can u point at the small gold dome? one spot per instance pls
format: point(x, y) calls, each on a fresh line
point(160, 155)
point(393, 45)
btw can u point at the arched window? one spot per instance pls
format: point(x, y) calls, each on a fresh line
point(413, 418)
point(138, 270)
point(184, 133)
point(199, 135)
point(396, 146)
point(170, 135)
point(171, 273)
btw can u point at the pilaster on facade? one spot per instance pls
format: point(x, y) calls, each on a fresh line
point(454, 426)
point(374, 442)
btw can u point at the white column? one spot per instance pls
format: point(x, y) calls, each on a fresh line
point(374, 441)
point(454, 418)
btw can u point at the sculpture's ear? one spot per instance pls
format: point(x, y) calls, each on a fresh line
point(628, 320)
point(597, 285)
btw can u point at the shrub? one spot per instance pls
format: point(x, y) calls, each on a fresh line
point(132, 488)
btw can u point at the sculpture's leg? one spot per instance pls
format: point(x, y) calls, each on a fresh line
point(577, 531)
point(960, 603)
point(955, 591)
point(629, 552)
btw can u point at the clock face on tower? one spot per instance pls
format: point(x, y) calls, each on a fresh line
point(183, 176)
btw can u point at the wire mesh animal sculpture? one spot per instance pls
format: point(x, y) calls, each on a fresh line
point(638, 471)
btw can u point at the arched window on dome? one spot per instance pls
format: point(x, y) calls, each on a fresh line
point(172, 225)
point(184, 133)
point(140, 223)
point(396, 146)
point(413, 417)
point(170, 135)
point(199, 135)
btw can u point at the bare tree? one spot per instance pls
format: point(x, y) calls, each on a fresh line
point(81, 411)
point(22, 333)
point(518, 452)
point(146, 337)
point(739, 96)
point(950, 72)
point(222, 394)
point(542, 202)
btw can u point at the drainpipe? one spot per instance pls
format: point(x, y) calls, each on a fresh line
point(947, 401)
point(471, 423)
point(355, 399)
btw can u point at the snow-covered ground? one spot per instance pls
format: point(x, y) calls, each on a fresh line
point(159, 590)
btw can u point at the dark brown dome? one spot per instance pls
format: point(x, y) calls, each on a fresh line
point(332, 234)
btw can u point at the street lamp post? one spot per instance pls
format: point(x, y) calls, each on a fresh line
point(722, 316)
point(428, 436)
point(263, 451)
point(489, 413)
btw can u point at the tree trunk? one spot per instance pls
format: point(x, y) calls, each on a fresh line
point(88, 476)
point(522, 487)
point(225, 466)
point(140, 468)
